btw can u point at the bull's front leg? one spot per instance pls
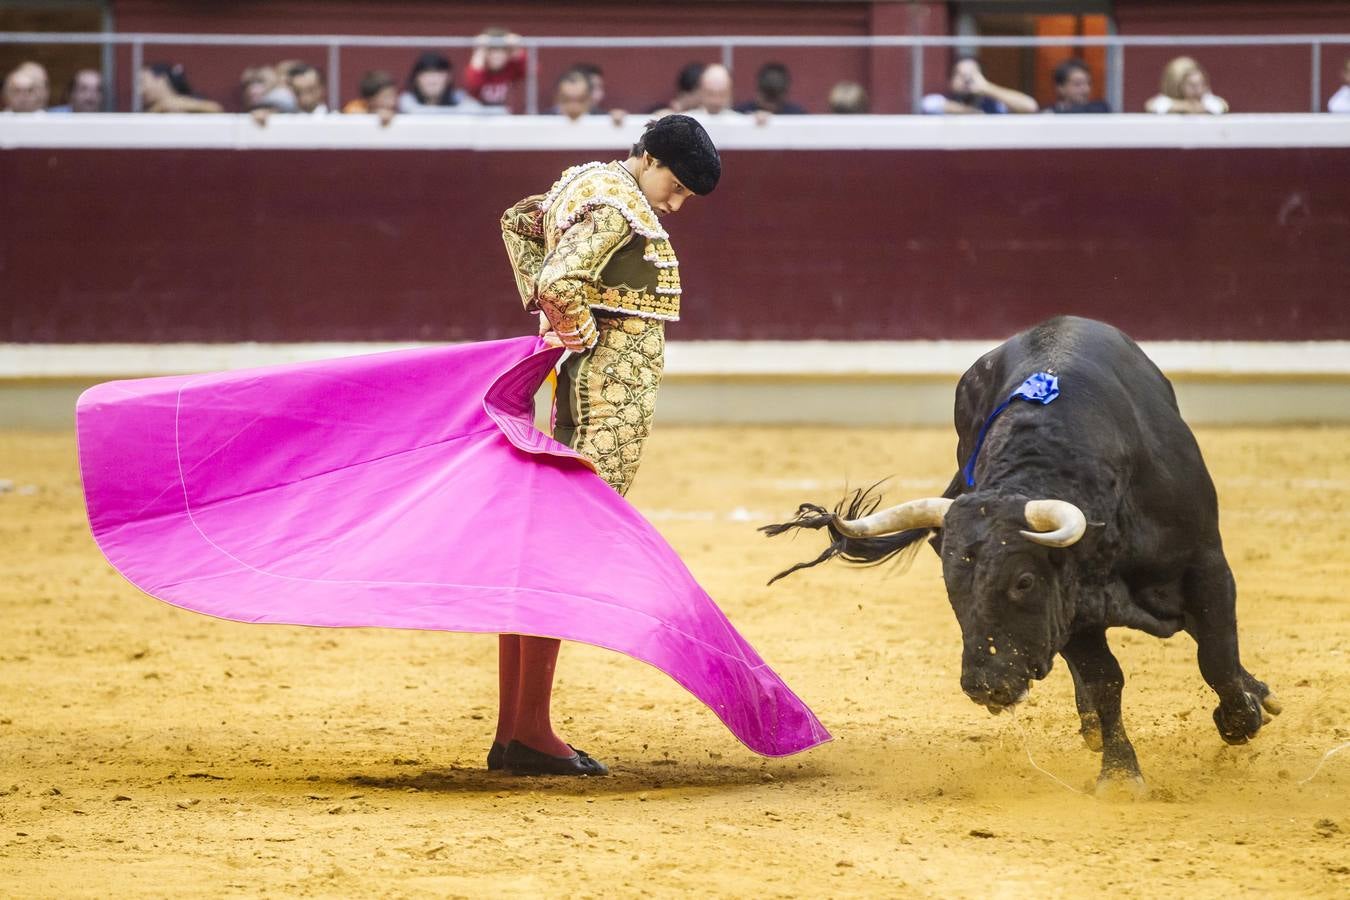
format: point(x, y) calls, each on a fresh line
point(1092, 662)
point(1245, 703)
point(1090, 719)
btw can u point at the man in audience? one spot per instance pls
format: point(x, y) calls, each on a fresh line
point(970, 93)
point(1340, 101)
point(772, 84)
point(306, 82)
point(85, 94)
point(596, 76)
point(572, 95)
point(1073, 85)
point(24, 91)
point(713, 97)
point(379, 97)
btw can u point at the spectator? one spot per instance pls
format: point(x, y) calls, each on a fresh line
point(772, 84)
point(1340, 101)
point(596, 76)
point(686, 91)
point(256, 87)
point(572, 95)
point(165, 89)
point(431, 89)
point(85, 94)
point(23, 89)
point(1185, 91)
point(39, 73)
point(379, 97)
point(264, 88)
point(970, 93)
point(306, 83)
point(848, 98)
point(1073, 85)
point(498, 62)
point(713, 97)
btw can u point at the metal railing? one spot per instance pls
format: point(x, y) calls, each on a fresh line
point(1115, 45)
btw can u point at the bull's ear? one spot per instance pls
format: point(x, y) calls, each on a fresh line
point(935, 541)
point(1096, 539)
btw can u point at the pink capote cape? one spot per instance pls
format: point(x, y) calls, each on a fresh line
point(404, 490)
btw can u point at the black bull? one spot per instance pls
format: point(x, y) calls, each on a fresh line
point(1028, 582)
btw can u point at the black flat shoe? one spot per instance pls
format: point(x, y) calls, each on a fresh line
point(522, 760)
point(495, 756)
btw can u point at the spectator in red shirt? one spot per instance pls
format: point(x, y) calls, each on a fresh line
point(498, 62)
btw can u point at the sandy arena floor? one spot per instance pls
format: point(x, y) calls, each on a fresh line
point(145, 750)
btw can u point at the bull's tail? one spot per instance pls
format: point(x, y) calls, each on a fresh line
point(859, 551)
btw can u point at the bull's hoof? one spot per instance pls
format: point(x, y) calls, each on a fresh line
point(1259, 689)
point(1238, 726)
point(1091, 731)
point(1119, 786)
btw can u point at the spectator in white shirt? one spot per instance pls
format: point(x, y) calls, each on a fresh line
point(306, 82)
point(1340, 101)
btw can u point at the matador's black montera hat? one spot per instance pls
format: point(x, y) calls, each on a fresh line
point(681, 144)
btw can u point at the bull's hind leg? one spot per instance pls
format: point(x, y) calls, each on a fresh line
point(1211, 619)
point(1093, 664)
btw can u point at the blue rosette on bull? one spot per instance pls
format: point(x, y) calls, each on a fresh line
point(1088, 506)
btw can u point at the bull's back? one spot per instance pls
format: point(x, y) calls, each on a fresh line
point(1116, 413)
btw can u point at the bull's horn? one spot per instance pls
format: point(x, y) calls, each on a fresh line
point(925, 513)
point(1057, 523)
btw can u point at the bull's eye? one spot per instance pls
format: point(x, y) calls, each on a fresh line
point(1024, 583)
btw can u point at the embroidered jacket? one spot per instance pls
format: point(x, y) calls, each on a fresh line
point(591, 243)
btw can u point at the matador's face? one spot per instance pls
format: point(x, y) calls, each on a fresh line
point(659, 185)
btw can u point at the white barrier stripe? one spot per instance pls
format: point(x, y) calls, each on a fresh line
point(805, 359)
point(599, 134)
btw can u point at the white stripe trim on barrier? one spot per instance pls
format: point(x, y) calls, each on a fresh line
point(690, 359)
point(488, 133)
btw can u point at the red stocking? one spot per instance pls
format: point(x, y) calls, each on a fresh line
point(508, 682)
point(538, 658)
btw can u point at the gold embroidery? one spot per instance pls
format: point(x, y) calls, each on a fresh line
point(567, 280)
point(606, 398)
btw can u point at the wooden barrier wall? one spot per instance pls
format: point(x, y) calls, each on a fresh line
point(173, 244)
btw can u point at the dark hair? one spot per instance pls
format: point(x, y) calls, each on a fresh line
point(576, 73)
point(1067, 68)
point(774, 80)
point(174, 73)
point(374, 82)
point(688, 78)
point(589, 69)
point(299, 69)
point(960, 59)
point(433, 62)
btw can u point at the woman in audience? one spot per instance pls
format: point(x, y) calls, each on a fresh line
point(431, 89)
point(1185, 91)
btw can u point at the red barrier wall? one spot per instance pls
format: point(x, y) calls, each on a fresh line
point(212, 245)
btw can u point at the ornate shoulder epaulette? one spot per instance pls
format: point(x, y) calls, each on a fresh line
point(596, 184)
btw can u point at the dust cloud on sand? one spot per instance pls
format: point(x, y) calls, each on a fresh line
point(148, 750)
